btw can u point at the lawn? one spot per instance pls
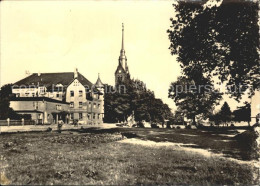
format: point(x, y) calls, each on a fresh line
point(97, 157)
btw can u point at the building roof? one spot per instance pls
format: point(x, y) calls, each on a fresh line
point(52, 79)
point(99, 83)
point(37, 99)
point(31, 111)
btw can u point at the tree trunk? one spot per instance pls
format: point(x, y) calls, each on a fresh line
point(194, 121)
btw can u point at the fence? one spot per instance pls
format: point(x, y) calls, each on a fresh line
point(17, 122)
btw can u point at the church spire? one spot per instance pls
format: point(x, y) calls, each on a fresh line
point(122, 57)
point(122, 36)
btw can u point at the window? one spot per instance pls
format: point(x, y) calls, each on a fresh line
point(58, 107)
point(71, 93)
point(72, 116)
point(42, 90)
point(80, 104)
point(93, 116)
point(80, 93)
point(98, 105)
point(57, 95)
point(80, 115)
point(33, 94)
point(35, 105)
point(88, 116)
point(94, 106)
point(98, 116)
point(26, 94)
point(71, 104)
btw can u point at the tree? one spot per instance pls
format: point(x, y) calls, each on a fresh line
point(243, 113)
point(225, 113)
point(5, 110)
point(216, 118)
point(223, 40)
point(137, 99)
point(195, 96)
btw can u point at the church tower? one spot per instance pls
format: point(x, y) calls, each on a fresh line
point(122, 74)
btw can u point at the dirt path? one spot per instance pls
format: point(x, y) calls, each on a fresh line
point(188, 148)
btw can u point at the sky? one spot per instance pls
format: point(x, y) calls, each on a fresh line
point(59, 36)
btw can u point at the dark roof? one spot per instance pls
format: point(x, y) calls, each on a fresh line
point(37, 99)
point(50, 79)
point(36, 111)
point(99, 83)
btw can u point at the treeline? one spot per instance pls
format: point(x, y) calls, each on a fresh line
point(225, 115)
point(134, 99)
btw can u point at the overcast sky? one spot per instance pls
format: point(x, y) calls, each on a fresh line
point(58, 36)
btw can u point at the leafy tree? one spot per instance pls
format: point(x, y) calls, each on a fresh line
point(116, 106)
point(5, 110)
point(135, 99)
point(223, 40)
point(243, 113)
point(225, 113)
point(216, 118)
point(195, 96)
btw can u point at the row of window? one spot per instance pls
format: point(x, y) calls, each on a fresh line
point(80, 105)
point(72, 93)
point(94, 116)
point(81, 94)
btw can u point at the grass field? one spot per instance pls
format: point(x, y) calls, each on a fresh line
point(98, 157)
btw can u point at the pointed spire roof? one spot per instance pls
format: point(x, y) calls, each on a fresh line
point(122, 48)
point(122, 57)
point(99, 83)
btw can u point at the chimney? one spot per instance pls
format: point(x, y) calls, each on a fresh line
point(75, 73)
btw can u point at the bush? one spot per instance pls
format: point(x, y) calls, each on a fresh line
point(140, 124)
point(153, 125)
point(247, 141)
point(49, 129)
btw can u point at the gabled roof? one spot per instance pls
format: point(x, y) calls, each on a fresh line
point(50, 79)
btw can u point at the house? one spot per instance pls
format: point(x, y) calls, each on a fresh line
point(66, 96)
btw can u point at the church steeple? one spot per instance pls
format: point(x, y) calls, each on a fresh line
point(122, 74)
point(122, 57)
point(122, 36)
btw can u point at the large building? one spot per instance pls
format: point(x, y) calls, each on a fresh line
point(50, 97)
point(122, 74)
